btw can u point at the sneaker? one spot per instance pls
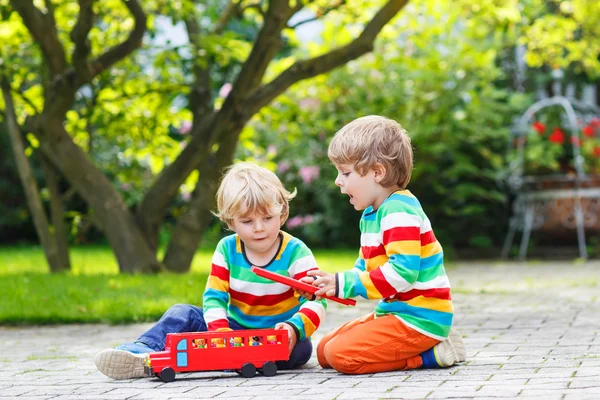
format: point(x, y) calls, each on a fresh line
point(450, 351)
point(136, 348)
point(457, 341)
point(121, 364)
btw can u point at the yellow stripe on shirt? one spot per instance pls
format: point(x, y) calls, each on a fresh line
point(431, 304)
point(217, 283)
point(264, 310)
point(431, 249)
point(404, 247)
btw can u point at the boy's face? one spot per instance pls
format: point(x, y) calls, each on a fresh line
point(258, 231)
point(364, 191)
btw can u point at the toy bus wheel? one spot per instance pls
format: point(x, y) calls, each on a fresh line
point(248, 370)
point(269, 369)
point(167, 375)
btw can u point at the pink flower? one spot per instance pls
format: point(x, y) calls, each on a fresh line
point(294, 222)
point(185, 128)
point(125, 186)
point(186, 196)
point(309, 173)
point(271, 150)
point(300, 220)
point(309, 104)
point(225, 89)
point(308, 219)
point(283, 167)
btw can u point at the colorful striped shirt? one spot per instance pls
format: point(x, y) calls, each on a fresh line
point(401, 262)
point(233, 291)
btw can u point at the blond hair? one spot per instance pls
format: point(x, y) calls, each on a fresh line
point(247, 188)
point(372, 140)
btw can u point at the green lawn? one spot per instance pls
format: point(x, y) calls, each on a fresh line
point(94, 291)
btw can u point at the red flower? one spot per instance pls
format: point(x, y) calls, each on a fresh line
point(597, 151)
point(575, 140)
point(588, 130)
point(557, 136)
point(595, 122)
point(539, 127)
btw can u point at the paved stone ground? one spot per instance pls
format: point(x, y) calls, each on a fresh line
point(531, 331)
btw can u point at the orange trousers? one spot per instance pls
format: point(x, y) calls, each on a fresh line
point(367, 345)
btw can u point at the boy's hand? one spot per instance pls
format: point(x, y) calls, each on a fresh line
point(292, 339)
point(308, 295)
point(325, 281)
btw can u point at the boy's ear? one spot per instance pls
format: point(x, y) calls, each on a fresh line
point(379, 170)
point(230, 227)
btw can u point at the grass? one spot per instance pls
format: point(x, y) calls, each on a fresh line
point(95, 292)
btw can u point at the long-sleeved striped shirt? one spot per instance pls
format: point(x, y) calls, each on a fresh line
point(233, 291)
point(401, 262)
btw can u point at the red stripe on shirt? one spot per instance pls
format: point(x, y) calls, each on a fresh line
point(399, 233)
point(427, 238)
point(441, 293)
point(312, 316)
point(373, 251)
point(381, 284)
point(261, 300)
point(220, 272)
point(217, 324)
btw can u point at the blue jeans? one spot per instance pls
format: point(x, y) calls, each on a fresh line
point(189, 318)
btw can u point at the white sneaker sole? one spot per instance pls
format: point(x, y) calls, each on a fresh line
point(451, 350)
point(120, 364)
point(459, 345)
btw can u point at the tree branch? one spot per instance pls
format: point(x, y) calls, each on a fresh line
point(265, 47)
point(79, 36)
point(320, 14)
point(233, 9)
point(315, 66)
point(200, 102)
point(43, 29)
point(122, 50)
point(27, 100)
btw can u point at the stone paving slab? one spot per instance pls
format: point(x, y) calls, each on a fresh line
point(532, 330)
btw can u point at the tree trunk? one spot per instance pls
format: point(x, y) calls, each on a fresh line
point(57, 214)
point(30, 186)
point(192, 224)
point(132, 252)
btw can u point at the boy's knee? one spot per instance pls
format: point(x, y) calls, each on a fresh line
point(335, 357)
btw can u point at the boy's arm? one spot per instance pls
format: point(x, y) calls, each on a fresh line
point(308, 318)
point(216, 294)
point(400, 251)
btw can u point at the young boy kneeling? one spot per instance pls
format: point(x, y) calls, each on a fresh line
point(400, 261)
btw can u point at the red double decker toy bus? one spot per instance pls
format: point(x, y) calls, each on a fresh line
point(244, 351)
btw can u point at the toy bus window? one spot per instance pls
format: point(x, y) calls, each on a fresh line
point(182, 345)
point(255, 341)
point(236, 341)
point(199, 344)
point(273, 339)
point(218, 343)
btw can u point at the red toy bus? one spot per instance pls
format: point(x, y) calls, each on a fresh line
point(244, 351)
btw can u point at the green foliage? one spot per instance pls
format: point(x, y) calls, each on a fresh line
point(440, 85)
point(563, 34)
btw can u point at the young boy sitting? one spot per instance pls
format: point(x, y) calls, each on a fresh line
point(254, 204)
point(400, 261)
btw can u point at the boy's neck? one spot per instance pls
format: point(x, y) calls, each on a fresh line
point(385, 194)
point(263, 259)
